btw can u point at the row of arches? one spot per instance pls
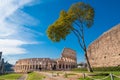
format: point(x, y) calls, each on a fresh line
point(27, 68)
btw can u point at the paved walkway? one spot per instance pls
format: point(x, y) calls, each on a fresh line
point(54, 76)
point(24, 77)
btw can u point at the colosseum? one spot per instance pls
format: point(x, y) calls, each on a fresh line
point(105, 51)
point(67, 61)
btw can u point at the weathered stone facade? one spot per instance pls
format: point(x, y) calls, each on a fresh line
point(105, 51)
point(1, 64)
point(66, 62)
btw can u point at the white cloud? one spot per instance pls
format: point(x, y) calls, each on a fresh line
point(15, 25)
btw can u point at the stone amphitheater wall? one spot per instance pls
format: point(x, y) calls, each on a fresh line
point(105, 51)
point(67, 61)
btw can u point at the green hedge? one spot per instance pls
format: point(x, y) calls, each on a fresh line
point(79, 69)
point(107, 69)
point(99, 69)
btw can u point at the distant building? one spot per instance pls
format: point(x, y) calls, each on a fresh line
point(81, 65)
point(1, 64)
point(105, 51)
point(66, 62)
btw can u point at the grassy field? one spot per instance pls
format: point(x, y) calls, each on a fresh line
point(38, 76)
point(99, 77)
point(35, 76)
point(101, 71)
point(107, 77)
point(10, 76)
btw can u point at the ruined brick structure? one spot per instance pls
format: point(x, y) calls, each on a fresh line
point(1, 64)
point(105, 51)
point(67, 61)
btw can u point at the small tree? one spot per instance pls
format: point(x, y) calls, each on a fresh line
point(79, 16)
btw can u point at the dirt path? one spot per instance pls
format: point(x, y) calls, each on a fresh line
point(24, 77)
point(54, 76)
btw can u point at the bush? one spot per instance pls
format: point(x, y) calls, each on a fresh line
point(79, 69)
point(106, 69)
point(99, 69)
point(97, 74)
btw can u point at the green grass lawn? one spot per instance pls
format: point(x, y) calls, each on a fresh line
point(99, 77)
point(12, 76)
point(35, 76)
point(117, 73)
point(101, 70)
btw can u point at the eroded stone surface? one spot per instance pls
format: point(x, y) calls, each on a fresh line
point(67, 61)
point(105, 51)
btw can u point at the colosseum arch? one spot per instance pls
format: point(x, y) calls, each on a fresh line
point(67, 61)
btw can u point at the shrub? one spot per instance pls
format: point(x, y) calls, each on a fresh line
point(106, 69)
point(117, 68)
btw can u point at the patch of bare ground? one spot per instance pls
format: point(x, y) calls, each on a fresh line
point(66, 75)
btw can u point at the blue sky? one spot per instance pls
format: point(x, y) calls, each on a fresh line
point(24, 23)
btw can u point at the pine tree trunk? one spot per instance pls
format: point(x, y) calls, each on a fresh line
point(88, 63)
point(84, 48)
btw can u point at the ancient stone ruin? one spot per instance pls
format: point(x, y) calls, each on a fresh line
point(67, 61)
point(1, 64)
point(105, 51)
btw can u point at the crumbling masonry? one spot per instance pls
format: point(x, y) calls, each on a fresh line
point(66, 62)
point(105, 51)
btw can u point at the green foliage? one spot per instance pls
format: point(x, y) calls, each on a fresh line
point(98, 74)
point(10, 76)
point(95, 78)
point(79, 69)
point(60, 29)
point(80, 15)
point(83, 79)
point(107, 68)
point(80, 12)
point(98, 69)
point(83, 13)
point(8, 66)
point(101, 76)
